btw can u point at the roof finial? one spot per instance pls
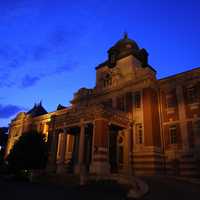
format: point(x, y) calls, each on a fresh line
point(125, 34)
point(40, 104)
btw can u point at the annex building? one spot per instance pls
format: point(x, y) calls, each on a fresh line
point(129, 123)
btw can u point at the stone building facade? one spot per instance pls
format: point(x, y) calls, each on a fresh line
point(129, 123)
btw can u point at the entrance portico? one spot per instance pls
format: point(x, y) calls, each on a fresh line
point(85, 144)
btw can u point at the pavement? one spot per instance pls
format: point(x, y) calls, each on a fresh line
point(14, 190)
point(169, 188)
point(160, 188)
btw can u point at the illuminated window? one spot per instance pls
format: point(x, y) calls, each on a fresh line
point(137, 100)
point(192, 94)
point(139, 134)
point(173, 134)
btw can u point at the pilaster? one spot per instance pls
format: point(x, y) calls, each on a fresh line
point(182, 117)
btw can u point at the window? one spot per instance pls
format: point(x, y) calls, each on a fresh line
point(40, 127)
point(107, 103)
point(173, 134)
point(112, 58)
point(137, 100)
point(107, 80)
point(192, 94)
point(171, 100)
point(121, 103)
point(139, 134)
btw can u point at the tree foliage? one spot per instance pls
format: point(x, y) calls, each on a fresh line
point(29, 152)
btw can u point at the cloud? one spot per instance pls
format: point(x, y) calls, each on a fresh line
point(60, 37)
point(28, 81)
point(40, 52)
point(9, 110)
point(42, 56)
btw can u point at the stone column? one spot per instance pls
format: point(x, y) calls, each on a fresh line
point(80, 165)
point(61, 166)
point(51, 167)
point(100, 156)
point(182, 117)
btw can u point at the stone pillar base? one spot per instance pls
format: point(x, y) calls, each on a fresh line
point(100, 168)
point(51, 168)
point(60, 169)
point(79, 168)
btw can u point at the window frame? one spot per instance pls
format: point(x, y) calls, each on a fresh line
point(137, 100)
point(173, 134)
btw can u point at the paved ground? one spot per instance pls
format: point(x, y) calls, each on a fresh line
point(10, 190)
point(168, 189)
point(160, 189)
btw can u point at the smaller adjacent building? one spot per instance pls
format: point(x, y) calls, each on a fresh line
point(130, 122)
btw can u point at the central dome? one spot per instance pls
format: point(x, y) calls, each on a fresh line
point(125, 42)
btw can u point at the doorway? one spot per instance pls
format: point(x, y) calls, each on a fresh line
point(116, 149)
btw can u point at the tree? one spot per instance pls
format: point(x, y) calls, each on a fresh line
point(29, 152)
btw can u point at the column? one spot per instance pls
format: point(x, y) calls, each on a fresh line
point(100, 155)
point(80, 165)
point(51, 167)
point(61, 166)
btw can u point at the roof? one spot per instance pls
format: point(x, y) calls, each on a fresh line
point(178, 74)
point(37, 110)
point(123, 48)
point(125, 43)
point(60, 107)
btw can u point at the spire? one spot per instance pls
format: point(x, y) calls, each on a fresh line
point(125, 35)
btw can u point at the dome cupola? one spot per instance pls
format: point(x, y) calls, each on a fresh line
point(123, 47)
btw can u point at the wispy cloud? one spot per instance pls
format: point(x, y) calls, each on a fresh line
point(28, 81)
point(9, 110)
point(42, 46)
point(35, 59)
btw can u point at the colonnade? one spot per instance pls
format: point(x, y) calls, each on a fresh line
point(100, 163)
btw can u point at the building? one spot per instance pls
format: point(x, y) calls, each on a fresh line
point(3, 141)
point(3, 137)
point(130, 122)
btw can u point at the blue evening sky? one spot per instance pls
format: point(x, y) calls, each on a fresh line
point(49, 49)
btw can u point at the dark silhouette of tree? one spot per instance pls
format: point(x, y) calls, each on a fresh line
point(29, 152)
